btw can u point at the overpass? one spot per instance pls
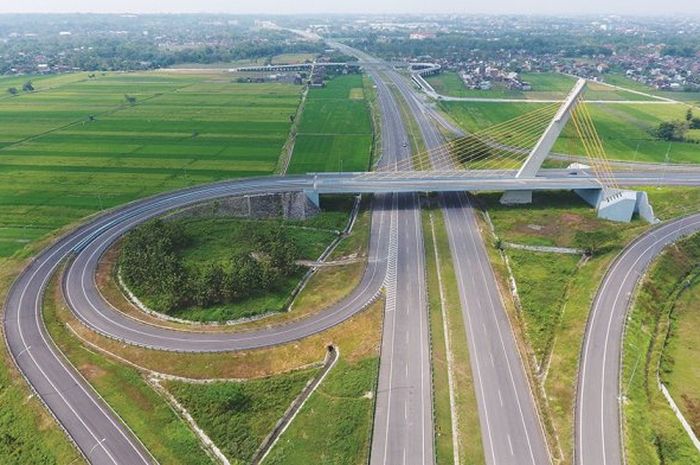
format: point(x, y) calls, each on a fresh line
point(417, 66)
point(508, 157)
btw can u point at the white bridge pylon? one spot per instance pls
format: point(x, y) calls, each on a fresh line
point(511, 153)
point(544, 145)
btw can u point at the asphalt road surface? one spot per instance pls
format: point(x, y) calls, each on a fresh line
point(598, 420)
point(90, 423)
point(403, 423)
point(510, 427)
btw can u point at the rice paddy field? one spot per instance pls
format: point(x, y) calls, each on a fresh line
point(625, 128)
point(544, 86)
point(77, 145)
point(335, 132)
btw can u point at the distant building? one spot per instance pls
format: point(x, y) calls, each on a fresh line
point(421, 35)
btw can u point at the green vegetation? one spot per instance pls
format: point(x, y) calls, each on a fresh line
point(75, 146)
point(468, 426)
point(555, 293)
point(28, 435)
point(628, 131)
point(334, 426)
point(148, 415)
point(544, 86)
point(678, 130)
point(562, 219)
point(653, 435)
point(335, 132)
point(557, 219)
point(543, 280)
point(237, 416)
point(219, 269)
point(679, 367)
point(670, 202)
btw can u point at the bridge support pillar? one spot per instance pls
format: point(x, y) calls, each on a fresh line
point(313, 197)
point(620, 205)
point(516, 197)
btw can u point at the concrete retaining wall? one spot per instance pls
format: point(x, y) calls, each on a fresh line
point(287, 205)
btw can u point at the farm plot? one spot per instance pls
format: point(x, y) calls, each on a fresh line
point(627, 130)
point(335, 133)
point(82, 144)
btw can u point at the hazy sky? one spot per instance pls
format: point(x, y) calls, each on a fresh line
point(354, 6)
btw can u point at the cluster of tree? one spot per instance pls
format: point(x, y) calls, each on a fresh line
point(676, 130)
point(151, 267)
point(26, 87)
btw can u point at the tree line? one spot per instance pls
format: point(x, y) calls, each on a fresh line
point(151, 266)
point(677, 130)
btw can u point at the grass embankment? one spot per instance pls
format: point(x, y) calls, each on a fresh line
point(447, 330)
point(680, 371)
point(554, 293)
point(335, 132)
point(335, 424)
point(653, 434)
point(543, 280)
point(77, 146)
point(625, 129)
point(214, 242)
point(237, 416)
point(558, 327)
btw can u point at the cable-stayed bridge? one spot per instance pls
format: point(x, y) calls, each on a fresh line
point(508, 157)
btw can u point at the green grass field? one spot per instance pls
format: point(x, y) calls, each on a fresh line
point(625, 129)
point(335, 132)
point(58, 165)
point(680, 370)
point(544, 86)
point(334, 426)
point(471, 449)
point(653, 434)
point(542, 280)
point(238, 416)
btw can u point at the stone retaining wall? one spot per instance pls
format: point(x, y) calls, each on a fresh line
point(287, 205)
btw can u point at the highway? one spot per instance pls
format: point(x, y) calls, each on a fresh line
point(510, 428)
point(91, 424)
point(403, 423)
point(598, 438)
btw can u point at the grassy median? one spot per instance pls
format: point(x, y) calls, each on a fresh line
point(447, 330)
